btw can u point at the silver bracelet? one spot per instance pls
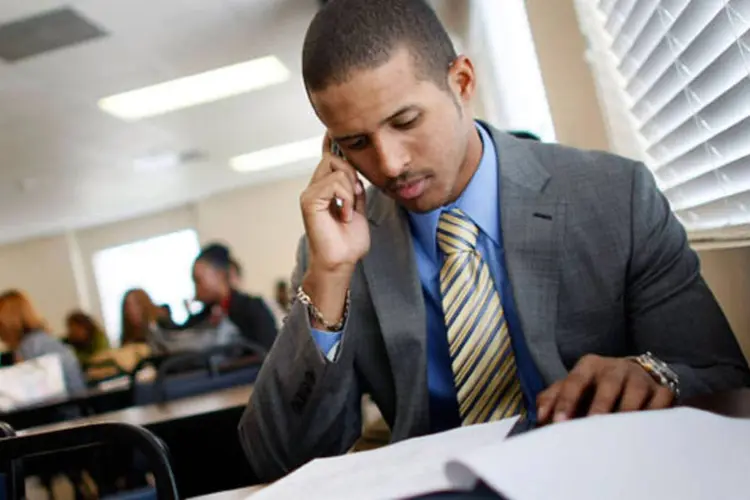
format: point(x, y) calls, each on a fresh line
point(317, 316)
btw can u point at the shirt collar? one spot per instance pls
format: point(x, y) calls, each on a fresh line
point(478, 201)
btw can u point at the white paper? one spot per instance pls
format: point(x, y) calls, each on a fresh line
point(408, 468)
point(682, 453)
point(31, 381)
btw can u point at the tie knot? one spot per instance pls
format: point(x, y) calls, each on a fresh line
point(456, 232)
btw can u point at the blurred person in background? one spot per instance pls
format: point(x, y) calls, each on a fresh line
point(85, 336)
point(281, 302)
point(217, 290)
point(25, 333)
point(139, 316)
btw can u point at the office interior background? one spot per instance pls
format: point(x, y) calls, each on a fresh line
point(103, 188)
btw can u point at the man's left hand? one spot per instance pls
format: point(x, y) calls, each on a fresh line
point(614, 385)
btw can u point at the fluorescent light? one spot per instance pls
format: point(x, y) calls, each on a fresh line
point(196, 89)
point(278, 155)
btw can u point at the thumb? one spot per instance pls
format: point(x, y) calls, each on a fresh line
point(360, 200)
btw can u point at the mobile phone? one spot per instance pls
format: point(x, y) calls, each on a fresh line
point(336, 151)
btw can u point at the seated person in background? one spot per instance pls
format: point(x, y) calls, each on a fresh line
point(214, 287)
point(85, 336)
point(140, 316)
point(143, 322)
point(481, 276)
point(24, 332)
point(281, 303)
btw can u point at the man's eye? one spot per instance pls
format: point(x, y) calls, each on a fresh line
point(357, 144)
point(408, 123)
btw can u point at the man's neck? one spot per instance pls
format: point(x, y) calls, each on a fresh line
point(474, 151)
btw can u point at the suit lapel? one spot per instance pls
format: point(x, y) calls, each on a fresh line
point(396, 292)
point(532, 223)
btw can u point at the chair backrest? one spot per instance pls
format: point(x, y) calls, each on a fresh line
point(55, 441)
point(11, 473)
point(191, 373)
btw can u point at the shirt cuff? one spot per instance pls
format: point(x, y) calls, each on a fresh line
point(328, 343)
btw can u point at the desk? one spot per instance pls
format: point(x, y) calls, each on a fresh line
point(734, 403)
point(150, 415)
point(197, 430)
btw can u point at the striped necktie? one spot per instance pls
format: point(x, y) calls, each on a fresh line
point(484, 367)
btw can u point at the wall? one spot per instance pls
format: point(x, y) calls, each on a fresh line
point(727, 272)
point(41, 268)
point(567, 77)
point(262, 225)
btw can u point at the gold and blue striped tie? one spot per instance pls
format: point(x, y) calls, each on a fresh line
point(484, 367)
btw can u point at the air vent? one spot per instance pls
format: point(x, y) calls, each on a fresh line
point(52, 30)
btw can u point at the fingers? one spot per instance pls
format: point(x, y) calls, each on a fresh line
point(573, 389)
point(320, 195)
point(331, 163)
point(609, 387)
point(545, 402)
point(327, 143)
point(663, 398)
point(636, 395)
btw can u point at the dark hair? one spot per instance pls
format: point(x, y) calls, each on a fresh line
point(217, 255)
point(348, 35)
point(84, 320)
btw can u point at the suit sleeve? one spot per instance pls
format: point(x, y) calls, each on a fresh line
point(671, 311)
point(303, 406)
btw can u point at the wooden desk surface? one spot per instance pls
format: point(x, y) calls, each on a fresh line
point(157, 413)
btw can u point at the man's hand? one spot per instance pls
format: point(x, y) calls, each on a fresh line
point(338, 237)
point(613, 384)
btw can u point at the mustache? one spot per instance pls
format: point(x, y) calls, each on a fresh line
point(396, 183)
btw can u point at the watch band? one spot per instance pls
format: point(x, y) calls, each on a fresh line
point(659, 371)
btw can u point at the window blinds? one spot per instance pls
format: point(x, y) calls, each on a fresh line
point(682, 68)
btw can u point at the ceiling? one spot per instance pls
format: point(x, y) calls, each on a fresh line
point(65, 164)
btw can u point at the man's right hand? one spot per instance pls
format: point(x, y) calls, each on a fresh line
point(337, 237)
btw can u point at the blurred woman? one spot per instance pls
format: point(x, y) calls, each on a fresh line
point(24, 332)
point(85, 335)
point(139, 317)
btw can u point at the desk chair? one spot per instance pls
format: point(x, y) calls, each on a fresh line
point(11, 473)
point(191, 373)
point(43, 443)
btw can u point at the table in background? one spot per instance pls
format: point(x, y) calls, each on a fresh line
point(200, 433)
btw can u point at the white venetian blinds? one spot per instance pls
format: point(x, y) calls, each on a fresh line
point(682, 68)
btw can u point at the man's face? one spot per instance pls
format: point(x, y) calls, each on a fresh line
point(406, 135)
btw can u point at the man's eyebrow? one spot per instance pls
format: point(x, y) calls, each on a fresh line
point(401, 111)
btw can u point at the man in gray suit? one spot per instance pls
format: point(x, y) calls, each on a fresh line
point(481, 276)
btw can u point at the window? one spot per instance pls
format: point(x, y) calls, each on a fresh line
point(161, 266)
point(501, 43)
point(674, 77)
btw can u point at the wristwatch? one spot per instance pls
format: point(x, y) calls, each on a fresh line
point(659, 371)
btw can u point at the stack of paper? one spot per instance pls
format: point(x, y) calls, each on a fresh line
point(680, 453)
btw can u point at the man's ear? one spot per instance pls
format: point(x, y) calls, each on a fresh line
point(462, 79)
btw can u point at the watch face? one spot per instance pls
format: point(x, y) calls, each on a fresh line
point(663, 367)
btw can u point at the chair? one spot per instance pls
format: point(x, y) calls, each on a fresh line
point(11, 473)
point(191, 373)
point(16, 448)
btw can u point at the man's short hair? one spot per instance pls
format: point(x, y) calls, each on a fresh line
point(350, 35)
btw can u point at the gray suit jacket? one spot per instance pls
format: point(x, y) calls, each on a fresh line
point(597, 263)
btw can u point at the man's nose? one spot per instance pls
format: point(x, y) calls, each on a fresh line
point(393, 157)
